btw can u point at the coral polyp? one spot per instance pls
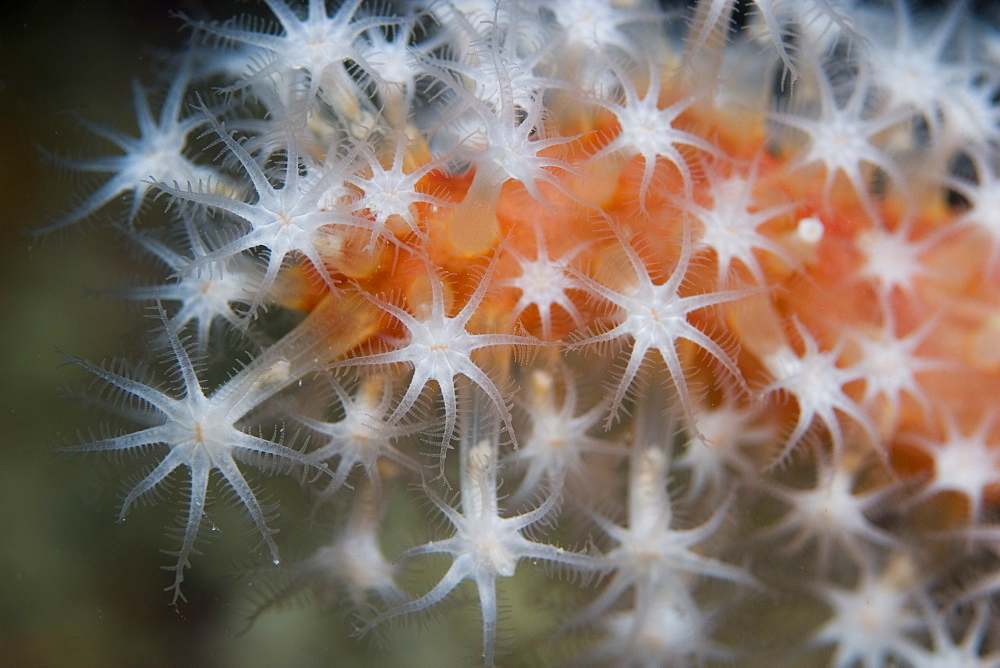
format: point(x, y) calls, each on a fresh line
point(681, 301)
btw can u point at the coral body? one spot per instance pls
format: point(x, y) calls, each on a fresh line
point(679, 307)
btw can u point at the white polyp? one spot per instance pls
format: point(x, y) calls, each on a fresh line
point(810, 230)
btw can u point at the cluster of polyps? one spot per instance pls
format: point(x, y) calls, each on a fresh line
point(628, 263)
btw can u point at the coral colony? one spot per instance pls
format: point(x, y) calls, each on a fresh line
point(691, 314)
